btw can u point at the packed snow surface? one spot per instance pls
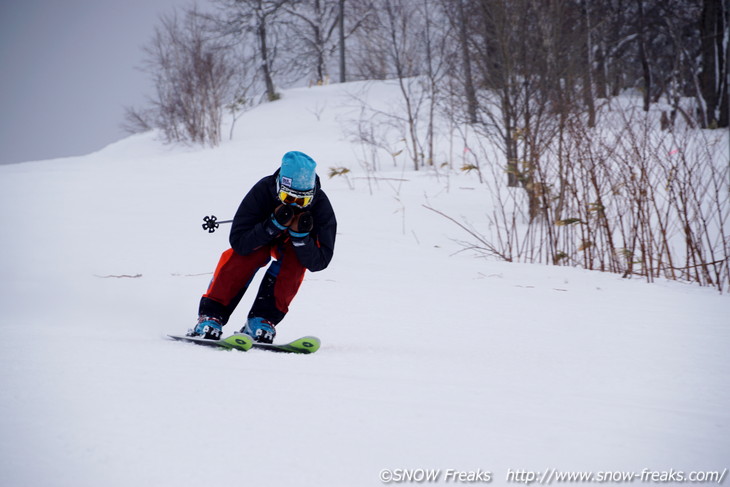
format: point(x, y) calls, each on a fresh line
point(432, 358)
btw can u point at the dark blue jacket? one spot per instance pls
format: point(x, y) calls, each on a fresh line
point(253, 228)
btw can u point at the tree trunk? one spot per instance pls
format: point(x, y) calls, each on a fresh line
point(713, 54)
point(271, 94)
point(471, 99)
point(343, 76)
point(643, 58)
point(588, 70)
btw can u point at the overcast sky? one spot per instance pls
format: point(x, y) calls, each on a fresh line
point(67, 70)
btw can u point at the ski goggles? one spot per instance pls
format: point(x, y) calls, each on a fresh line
point(290, 196)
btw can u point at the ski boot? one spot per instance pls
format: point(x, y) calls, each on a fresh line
point(207, 327)
point(260, 330)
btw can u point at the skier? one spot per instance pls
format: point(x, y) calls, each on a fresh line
point(287, 217)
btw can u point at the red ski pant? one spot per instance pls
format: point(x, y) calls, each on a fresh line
point(235, 272)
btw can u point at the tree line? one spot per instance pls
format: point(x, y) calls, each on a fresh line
point(553, 56)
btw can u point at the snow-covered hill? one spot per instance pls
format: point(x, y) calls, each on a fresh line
point(431, 358)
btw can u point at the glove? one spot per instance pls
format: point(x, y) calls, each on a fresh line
point(279, 221)
point(301, 225)
point(282, 217)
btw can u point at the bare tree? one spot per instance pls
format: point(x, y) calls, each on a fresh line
point(260, 19)
point(192, 76)
point(405, 57)
point(314, 25)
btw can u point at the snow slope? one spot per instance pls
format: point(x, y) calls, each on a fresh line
point(431, 358)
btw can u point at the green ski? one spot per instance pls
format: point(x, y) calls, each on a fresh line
point(238, 341)
point(243, 342)
point(308, 344)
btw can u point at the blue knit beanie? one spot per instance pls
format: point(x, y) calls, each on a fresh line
point(297, 171)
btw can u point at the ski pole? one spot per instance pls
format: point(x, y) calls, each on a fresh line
point(211, 222)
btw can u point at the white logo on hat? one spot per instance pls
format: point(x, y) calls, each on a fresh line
point(285, 181)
